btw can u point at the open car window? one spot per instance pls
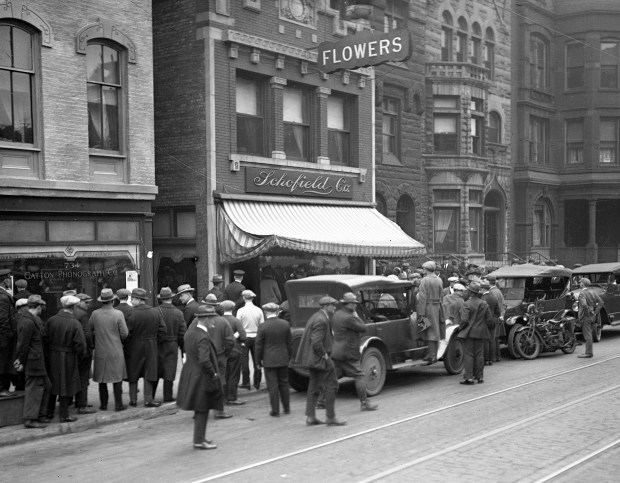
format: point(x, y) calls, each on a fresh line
point(386, 304)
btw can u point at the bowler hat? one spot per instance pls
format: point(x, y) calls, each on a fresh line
point(349, 298)
point(430, 265)
point(107, 295)
point(217, 278)
point(184, 288)
point(271, 307)
point(139, 293)
point(69, 300)
point(210, 299)
point(164, 294)
point(35, 300)
point(123, 293)
point(248, 294)
point(474, 287)
point(327, 300)
point(205, 311)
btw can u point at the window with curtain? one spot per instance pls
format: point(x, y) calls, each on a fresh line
point(250, 116)
point(489, 52)
point(104, 86)
point(395, 14)
point(339, 129)
point(539, 59)
point(476, 44)
point(446, 37)
point(494, 128)
point(608, 153)
point(610, 58)
point(461, 40)
point(391, 126)
point(541, 227)
point(574, 65)
point(539, 141)
point(446, 119)
point(445, 227)
point(574, 141)
point(296, 123)
point(17, 85)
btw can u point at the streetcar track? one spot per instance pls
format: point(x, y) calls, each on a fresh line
point(412, 418)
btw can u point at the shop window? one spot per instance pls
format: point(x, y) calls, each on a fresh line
point(174, 223)
point(19, 73)
point(494, 128)
point(539, 141)
point(489, 52)
point(446, 37)
point(395, 15)
point(574, 141)
point(106, 107)
point(12, 231)
point(574, 65)
point(381, 204)
point(296, 117)
point(446, 224)
point(70, 230)
point(610, 58)
point(476, 44)
point(539, 62)
point(608, 153)
point(339, 129)
point(171, 273)
point(391, 127)
point(541, 225)
point(461, 41)
point(250, 102)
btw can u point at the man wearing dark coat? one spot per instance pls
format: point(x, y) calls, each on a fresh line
point(31, 361)
point(233, 290)
point(66, 344)
point(233, 363)
point(7, 333)
point(188, 305)
point(200, 388)
point(80, 312)
point(347, 328)
point(475, 316)
point(314, 354)
point(146, 327)
point(496, 311)
point(590, 304)
point(274, 350)
point(123, 302)
point(216, 290)
point(168, 348)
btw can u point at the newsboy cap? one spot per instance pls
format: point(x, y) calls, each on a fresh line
point(123, 293)
point(248, 294)
point(21, 283)
point(327, 300)
point(69, 300)
point(271, 307)
point(5, 273)
point(585, 281)
point(239, 273)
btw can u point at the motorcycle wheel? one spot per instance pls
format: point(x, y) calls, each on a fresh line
point(571, 344)
point(527, 344)
point(512, 350)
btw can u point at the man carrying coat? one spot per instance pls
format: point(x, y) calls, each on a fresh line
point(347, 328)
point(146, 328)
point(473, 331)
point(274, 349)
point(200, 388)
point(314, 354)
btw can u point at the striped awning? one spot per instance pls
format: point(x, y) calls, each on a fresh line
point(247, 229)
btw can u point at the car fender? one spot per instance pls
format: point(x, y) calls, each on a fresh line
point(377, 342)
point(443, 343)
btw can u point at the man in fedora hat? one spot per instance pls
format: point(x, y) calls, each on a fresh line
point(200, 388)
point(313, 354)
point(251, 317)
point(146, 329)
point(211, 299)
point(7, 332)
point(475, 317)
point(429, 306)
point(189, 306)
point(66, 345)
point(234, 289)
point(216, 290)
point(169, 345)
point(31, 360)
point(109, 330)
point(347, 328)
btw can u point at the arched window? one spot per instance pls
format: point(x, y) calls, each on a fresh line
point(381, 204)
point(541, 226)
point(539, 62)
point(446, 37)
point(494, 128)
point(405, 215)
point(489, 52)
point(476, 44)
point(461, 43)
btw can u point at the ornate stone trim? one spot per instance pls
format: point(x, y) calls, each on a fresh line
point(19, 10)
point(104, 29)
point(268, 45)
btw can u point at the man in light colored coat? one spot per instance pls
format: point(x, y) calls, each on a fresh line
point(429, 306)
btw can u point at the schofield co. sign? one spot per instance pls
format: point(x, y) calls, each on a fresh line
point(297, 183)
point(364, 49)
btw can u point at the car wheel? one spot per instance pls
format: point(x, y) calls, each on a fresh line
point(373, 365)
point(512, 350)
point(454, 357)
point(597, 330)
point(527, 344)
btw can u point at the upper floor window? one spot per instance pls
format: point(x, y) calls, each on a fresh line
point(391, 127)
point(338, 129)
point(574, 141)
point(250, 104)
point(610, 56)
point(17, 85)
point(494, 128)
point(541, 227)
point(574, 65)
point(539, 141)
point(396, 14)
point(461, 41)
point(539, 59)
point(608, 153)
point(296, 123)
point(446, 120)
point(489, 52)
point(175, 223)
point(475, 126)
point(446, 37)
point(476, 44)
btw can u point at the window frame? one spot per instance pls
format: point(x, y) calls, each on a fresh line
point(447, 36)
point(539, 68)
point(395, 15)
point(488, 53)
point(344, 133)
point(462, 41)
point(612, 145)
point(576, 69)
point(610, 62)
point(476, 44)
point(305, 125)
point(454, 113)
point(456, 212)
point(541, 224)
point(396, 116)
point(490, 129)
point(574, 147)
point(538, 136)
point(260, 85)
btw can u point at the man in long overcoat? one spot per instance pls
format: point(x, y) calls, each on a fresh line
point(274, 349)
point(168, 348)
point(429, 306)
point(200, 388)
point(216, 290)
point(109, 330)
point(80, 312)
point(66, 345)
point(314, 354)
point(495, 306)
point(475, 316)
point(347, 328)
point(499, 328)
point(31, 360)
point(7, 332)
point(233, 363)
point(146, 328)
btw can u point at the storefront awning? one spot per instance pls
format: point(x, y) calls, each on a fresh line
point(247, 229)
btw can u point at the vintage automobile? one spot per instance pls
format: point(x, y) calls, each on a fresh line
point(545, 286)
point(387, 307)
point(605, 278)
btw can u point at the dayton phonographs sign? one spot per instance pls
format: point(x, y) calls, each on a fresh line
point(297, 183)
point(364, 49)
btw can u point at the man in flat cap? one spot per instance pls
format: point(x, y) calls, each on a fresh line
point(274, 349)
point(188, 305)
point(124, 301)
point(216, 290)
point(251, 317)
point(429, 306)
point(7, 332)
point(31, 360)
point(66, 345)
point(450, 288)
point(21, 289)
point(235, 288)
point(590, 304)
point(314, 354)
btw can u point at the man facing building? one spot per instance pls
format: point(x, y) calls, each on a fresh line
point(590, 303)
